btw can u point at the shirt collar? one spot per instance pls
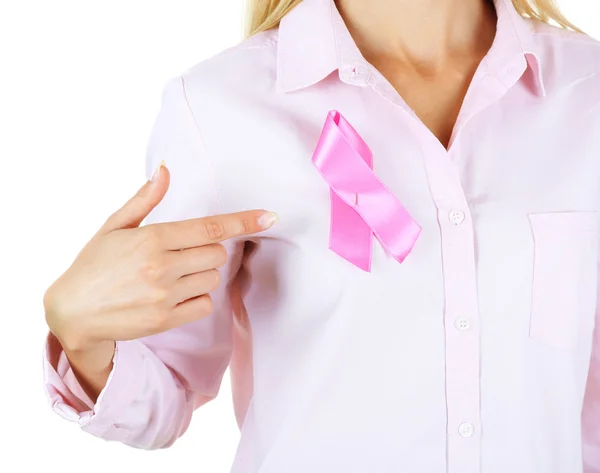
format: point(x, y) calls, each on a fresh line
point(314, 42)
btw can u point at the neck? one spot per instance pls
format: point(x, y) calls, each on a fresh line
point(423, 33)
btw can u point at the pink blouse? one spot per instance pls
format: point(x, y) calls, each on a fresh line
point(474, 354)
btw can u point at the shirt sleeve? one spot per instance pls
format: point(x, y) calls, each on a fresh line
point(156, 382)
point(590, 418)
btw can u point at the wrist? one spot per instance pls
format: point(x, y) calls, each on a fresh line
point(92, 365)
point(94, 360)
point(72, 339)
point(84, 346)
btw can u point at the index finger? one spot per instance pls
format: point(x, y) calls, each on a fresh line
point(204, 231)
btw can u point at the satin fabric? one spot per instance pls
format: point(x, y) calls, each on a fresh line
point(361, 205)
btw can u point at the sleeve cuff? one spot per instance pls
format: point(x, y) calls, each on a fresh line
point(67, 398)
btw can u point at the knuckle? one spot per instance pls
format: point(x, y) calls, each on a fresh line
point(142, 191)
point(153, 270)
point(247, 225)
point(115, 219)
point(214, 229)
point(214, 279)
point(114, 216)
point(160, 295)
point(157, 297)
point(221, 256)
point(157, 320)
point(49, 299)
point(205, 306)
point(52, 308)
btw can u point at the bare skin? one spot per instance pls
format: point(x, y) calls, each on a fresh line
point(427, 49)
point(129, 282)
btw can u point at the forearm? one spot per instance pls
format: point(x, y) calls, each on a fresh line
point(92, 366)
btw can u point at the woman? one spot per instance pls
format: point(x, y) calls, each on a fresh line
point(426, 300)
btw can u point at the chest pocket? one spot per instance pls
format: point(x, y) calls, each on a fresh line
point(565, 277)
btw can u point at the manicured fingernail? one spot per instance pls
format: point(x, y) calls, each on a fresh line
point(267, 220)
point(157, 170)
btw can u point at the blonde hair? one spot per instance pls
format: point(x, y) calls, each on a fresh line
point(266, 14)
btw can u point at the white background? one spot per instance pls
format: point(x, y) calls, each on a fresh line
point(80, 86)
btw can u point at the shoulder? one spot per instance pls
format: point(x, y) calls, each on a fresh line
point(567, 57)
point(246, 67)
point(225, 94)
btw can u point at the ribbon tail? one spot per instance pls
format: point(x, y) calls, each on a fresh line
point(350, 237)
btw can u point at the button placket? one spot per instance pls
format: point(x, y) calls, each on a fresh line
point(461, 312)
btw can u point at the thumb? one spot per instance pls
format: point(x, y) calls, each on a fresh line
point(141, 204)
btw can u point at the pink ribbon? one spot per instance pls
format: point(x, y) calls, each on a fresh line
point(361, 205)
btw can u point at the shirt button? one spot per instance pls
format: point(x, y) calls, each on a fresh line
point(456, 217)
point(356, 73)
point(465, 429)
point(359, 70)
point(462, 324)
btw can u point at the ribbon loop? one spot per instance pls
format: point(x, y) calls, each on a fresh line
point(361, 205)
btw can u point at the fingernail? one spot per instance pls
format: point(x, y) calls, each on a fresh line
point(157, 170)
point(267, 220)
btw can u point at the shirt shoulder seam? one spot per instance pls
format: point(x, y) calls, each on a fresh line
point(579, 39)
point(244, 47)
point(203, 144)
